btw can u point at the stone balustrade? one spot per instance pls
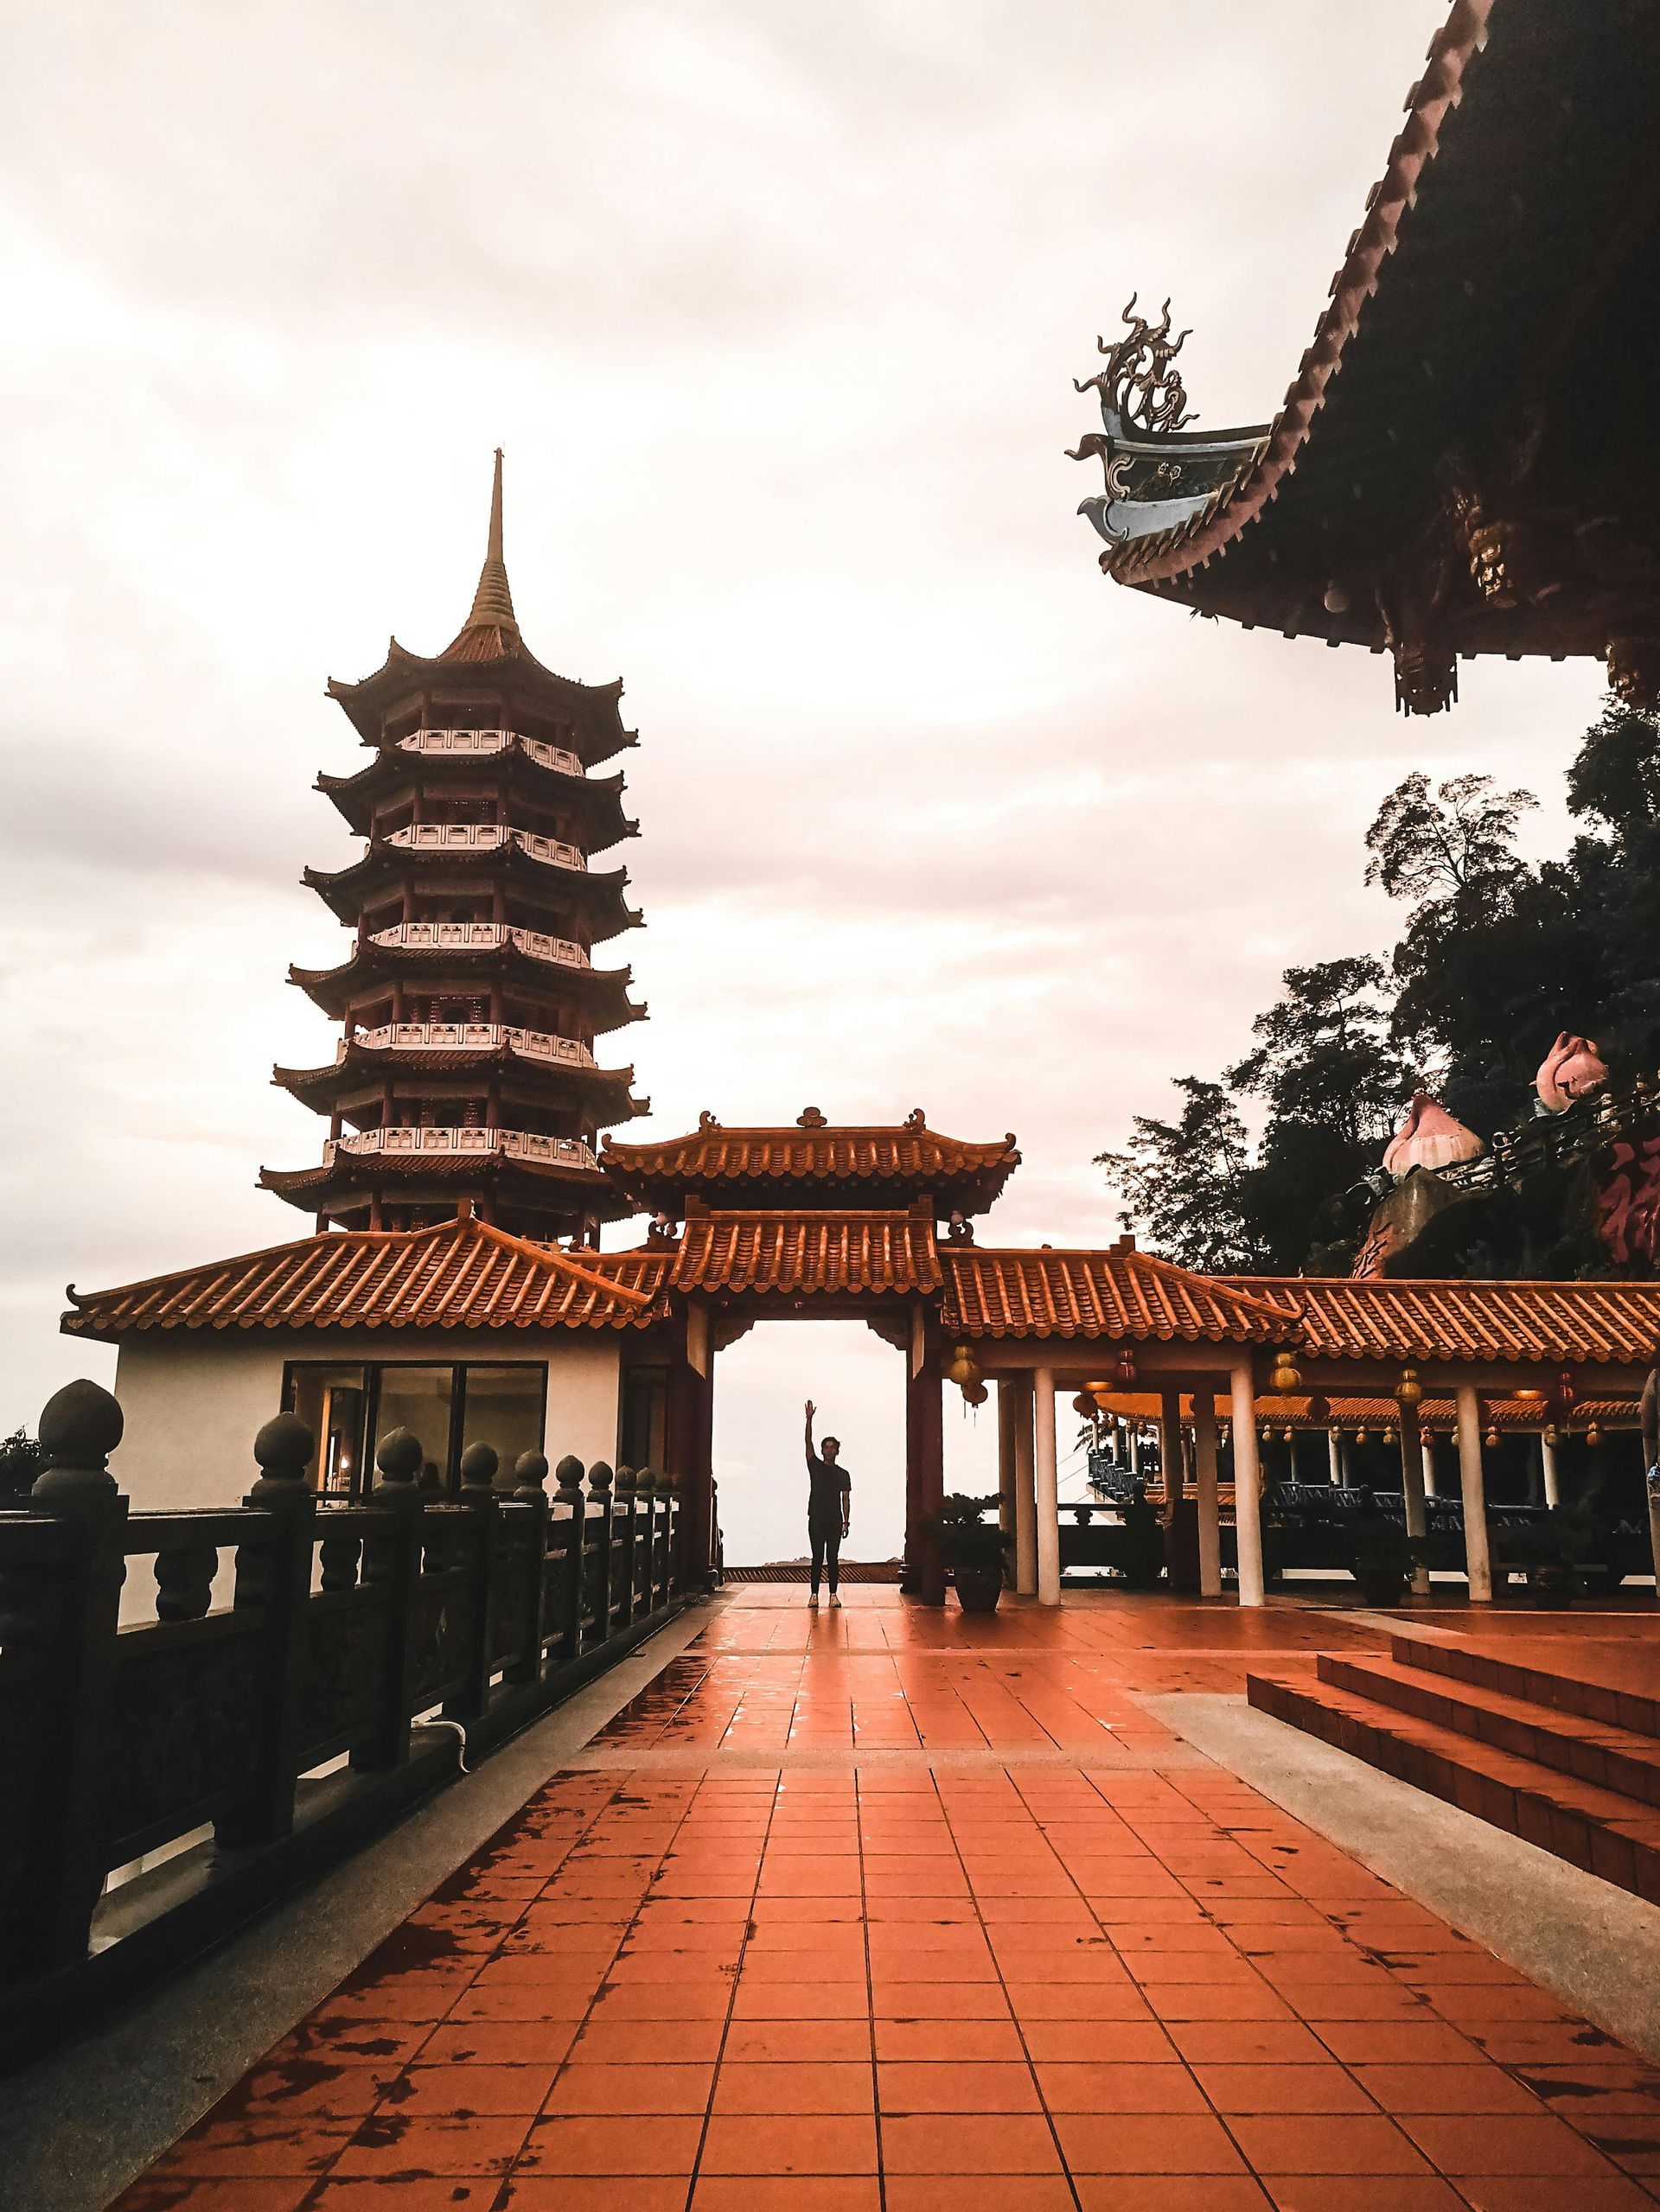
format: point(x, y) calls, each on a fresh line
point(293, 1722)
point(471, 1036)
point(484, 742)
point(469, 1144)
point(480, 937)
point(486, 836)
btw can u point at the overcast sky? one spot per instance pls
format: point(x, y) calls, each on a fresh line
point(774, 307)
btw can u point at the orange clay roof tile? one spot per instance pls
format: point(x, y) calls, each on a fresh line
point(809, 1253)
point(910, 1154)
point(1467, 1320)
point(462, 1273)
point(1118, 1294)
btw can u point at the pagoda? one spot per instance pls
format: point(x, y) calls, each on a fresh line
point(470, 1003)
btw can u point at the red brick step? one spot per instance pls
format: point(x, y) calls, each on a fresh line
point(1619, 1705)
point(1591, 1751)
point(1593, 1828)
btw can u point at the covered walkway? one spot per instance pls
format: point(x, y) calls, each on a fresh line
point(895, 1908)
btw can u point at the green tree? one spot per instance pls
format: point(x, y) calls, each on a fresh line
point(1183, 1181)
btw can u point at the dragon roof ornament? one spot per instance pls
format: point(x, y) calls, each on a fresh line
point(1138, 386)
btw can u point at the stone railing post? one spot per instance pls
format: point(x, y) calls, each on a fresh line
point(530, 1491)
point(625, 1596)
point(599, 1490)
point(574, 1499)
point(478, 1466)
point(273, 1576)
point(644, 1489)
point(80, 1427)
point(392, 1567)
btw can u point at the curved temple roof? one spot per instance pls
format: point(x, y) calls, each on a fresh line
point(812, 1162)
point(1463, 462)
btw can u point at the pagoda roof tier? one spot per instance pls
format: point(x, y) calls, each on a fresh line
point(520, 766)
point(484, 860)
point(541, 1067)
point(523, 958)
point(1463, 462)
point(515, 1167)
point(486, 662)
point(813, 1164)
point(458, 1274)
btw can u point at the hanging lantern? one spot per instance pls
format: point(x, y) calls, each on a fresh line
point(1287, 1376)
point(1564, 1395)
point(1360, 1436)
point(1267, 1431)
point(963, 1369)
point(1409, 1391)
point(975, 1394)
point(1319, 1409)
point(1124, 1369)
point(1389, 1437)
point(1491, 1438)
point(1085, 1405)
point(1286, 1435)
point(1551, 1434)
point(1593, 1435)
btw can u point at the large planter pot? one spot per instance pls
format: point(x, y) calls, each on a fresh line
point(977, 1588)
point(1381, 1588)
point(1550, 1587)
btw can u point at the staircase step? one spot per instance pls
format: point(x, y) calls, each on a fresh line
point(1556, 1685)
point(1595, 1751)
point(1593, 1828)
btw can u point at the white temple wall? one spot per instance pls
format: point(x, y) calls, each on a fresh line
point(193, 1399)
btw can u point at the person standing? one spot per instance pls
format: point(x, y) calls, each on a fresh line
point(829, 1498)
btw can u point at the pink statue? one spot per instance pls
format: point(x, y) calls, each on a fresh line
point(1572, 1069)
point(1429, 1138)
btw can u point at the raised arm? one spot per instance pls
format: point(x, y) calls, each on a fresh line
point(811, 1410)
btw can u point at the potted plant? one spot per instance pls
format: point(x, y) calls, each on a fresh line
point(974, 1549)
point(1380, 1558)
point(1141, 1561)
point(1548, 1551)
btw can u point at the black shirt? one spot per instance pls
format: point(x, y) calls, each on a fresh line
point(827, 1481)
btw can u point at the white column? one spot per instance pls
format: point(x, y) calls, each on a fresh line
point(1049, 1511)
point(1412, 1491)
point(1007, 1416)
point(1477, 1562)
point(1135, 1446)
point(1248, 1485)
point(1170, 1443)
point(1548, 1468)
point(1334, 1455)
point(1204, 1463)
point(1429, 1465)
point(1025, 1511)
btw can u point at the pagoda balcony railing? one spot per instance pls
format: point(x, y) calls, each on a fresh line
point(486, 836)
point(491, 741)
point(471, 1036)
point(479, 937)
point(461, 1144)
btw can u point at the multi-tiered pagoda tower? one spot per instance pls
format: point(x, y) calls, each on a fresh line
point(470, 1002)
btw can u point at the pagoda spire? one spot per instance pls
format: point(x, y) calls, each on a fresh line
point(493, 601)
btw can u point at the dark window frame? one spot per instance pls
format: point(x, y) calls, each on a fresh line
point(373, 1370)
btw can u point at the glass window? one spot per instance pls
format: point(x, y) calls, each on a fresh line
point(330, 1401)
point(418, 1398)
point(645, 1407)
point(502, 1407)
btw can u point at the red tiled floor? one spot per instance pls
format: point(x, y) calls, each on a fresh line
point(684, 1982)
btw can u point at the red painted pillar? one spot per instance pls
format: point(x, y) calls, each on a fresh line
point(690, 1450)
point(924, 1476)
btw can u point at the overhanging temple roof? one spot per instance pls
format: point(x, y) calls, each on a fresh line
point(812, 1162)
point(461, 1274)
point(1465, 462)
point(464, 1273)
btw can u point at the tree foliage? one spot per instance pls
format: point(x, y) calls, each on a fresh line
point(1495, 957)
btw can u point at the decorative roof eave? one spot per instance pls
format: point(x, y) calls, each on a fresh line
point(353, 1178)
point(1163, 558)
point(513, 768)
point(1119, 1296)
point(595, 717)
point(1468, 1320)
point(770, 1253)
point(462, 1273)
point(331, 988)
point(765, 1167)
point(600, 889)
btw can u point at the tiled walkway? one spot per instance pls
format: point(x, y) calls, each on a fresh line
point(885, 1909)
